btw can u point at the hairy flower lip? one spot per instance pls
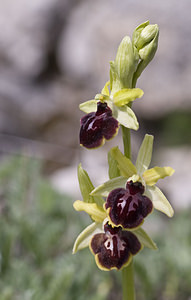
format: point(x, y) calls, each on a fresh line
point(128, 207)
point(114, 248)
point(96, 127)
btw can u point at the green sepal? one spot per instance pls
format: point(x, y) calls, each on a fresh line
point(124, 96)
point(145, 154)
point(86, 235)
point(105, 188)
point(144, 238)
point(159, 200)
point(126, 117)
point(86, 187)
point(113, 168)
point(125, 165)
point(88, 106)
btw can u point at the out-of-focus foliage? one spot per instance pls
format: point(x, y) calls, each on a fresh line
point(37, 229)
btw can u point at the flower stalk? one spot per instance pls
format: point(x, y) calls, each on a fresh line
point(128, 283)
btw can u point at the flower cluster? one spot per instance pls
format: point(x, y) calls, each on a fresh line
point(119, 206)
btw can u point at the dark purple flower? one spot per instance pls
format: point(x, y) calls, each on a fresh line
point(98, 126)
point(114, 248)
point(128, 207)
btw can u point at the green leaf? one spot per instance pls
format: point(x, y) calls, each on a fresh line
point(125, 165)
point(145, 154)
point(86, 187)
point(144, 238)
point(125, 96)
point(113, 168)
point(159, 200)
point(88, 106)
point(126, 117)
point(152, 175)
point(105, 188)
point(86, 235)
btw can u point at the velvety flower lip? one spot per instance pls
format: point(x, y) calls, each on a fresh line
point(114, 248)
point(96, 127)
point(128, 207)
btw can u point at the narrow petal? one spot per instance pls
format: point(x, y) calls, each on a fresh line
point(159, 200)
point(151, 176)
point(144, 238)
point(96, 212)
point(105, 90)
point(124, 96)
point(105, 188)
point(88, 106)
point(126, 117)
point(145, 154)
point(125, 165)
point(86, 235)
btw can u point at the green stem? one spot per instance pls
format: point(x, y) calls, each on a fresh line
point(126, 134)
point(128, 282)
point(127, 272)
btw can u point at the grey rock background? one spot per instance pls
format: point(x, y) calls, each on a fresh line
point(55, 54)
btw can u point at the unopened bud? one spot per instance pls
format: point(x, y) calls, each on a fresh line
point(124, 66)
point(145, 40)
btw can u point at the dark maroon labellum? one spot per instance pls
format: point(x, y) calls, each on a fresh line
point(114, 248)
point(128, 207)
point(97, 126)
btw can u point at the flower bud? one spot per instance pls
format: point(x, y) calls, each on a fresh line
point(124, 66)
point(145, 40)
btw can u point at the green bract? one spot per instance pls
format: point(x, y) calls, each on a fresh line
point(140, 173)
point(124, 66)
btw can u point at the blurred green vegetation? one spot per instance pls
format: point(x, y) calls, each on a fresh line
point(38, 227)
point(173, 128)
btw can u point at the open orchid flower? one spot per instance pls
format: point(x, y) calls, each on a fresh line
point(96, 127)
point(104, 115)
point(139, 173)
point(127, 207)
point(113, 247)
